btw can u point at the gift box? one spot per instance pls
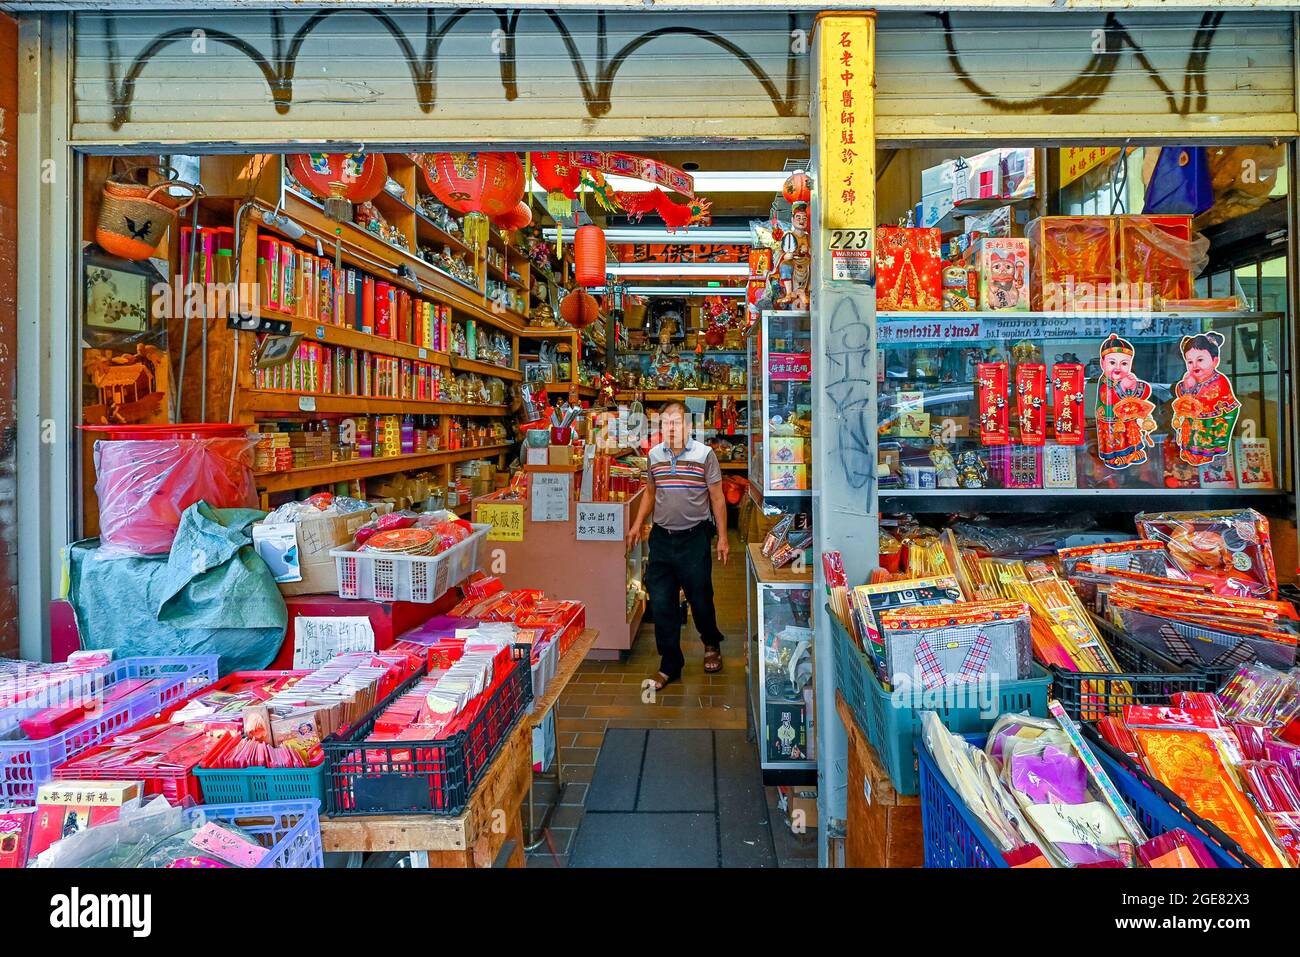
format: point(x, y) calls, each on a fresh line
point(787, 449)
point(1155, 257)
point(1073, 260)
point(909, 269)
point(960, 287)
point(65, 807)
point(1003, 268)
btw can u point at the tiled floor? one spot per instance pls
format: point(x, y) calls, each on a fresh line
point(607, 696)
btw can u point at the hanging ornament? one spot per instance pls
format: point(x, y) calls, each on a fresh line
point(589, 255)
point(1205, 408)
point(579, 309)
point(797, 188)
point(1067, 402)
point(991, 379)
point(561, 179)
point(488, 183)
point(601, 189)
point(340, 179)
point(517, 218)
point(675, 215)
point(1031, 402)
point(1125, 412)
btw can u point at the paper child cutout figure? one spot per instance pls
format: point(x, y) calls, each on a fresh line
point(1205, 407)
point(1124, 408)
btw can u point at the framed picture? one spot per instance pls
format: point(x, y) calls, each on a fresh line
point(539, 373)
point(277, 350)
point(118, 295)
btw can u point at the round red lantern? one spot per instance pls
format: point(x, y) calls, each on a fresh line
point(517, 218)
point(797, 188)
point(589, 255)
point(579, 309)
point(555, 174)
point(340, 179)
point(489, 183)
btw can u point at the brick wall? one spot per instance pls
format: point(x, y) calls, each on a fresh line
point(8, 329)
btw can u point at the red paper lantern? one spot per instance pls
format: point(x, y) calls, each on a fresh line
point(797, 188)
point(555, 174)
point(589, 255)
point(489, 183)
point(517, 218)
point(579, 309)
point(340, 179)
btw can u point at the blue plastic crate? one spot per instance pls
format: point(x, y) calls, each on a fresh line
point(26, 764)
point(290, 829)
point(894, 727)
point(953, 838)
point(256, 785)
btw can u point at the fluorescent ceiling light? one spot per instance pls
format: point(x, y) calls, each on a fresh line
point(679, 291)
point(695, 236)
point(677, 269)
point(734, 181)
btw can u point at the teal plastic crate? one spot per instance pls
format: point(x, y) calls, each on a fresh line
point(260, 785)
point(893, 726)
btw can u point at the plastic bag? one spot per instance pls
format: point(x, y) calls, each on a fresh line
point(1229, 550)
point(143, 487)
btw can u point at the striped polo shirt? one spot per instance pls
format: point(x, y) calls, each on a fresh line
point(682, 483)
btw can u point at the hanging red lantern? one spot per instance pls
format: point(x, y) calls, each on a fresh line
point(340, 179)
point(488, 183)
point(517, 218)
point(556, 174)
point(579, 309)
point(797, 188)
point(589, 255)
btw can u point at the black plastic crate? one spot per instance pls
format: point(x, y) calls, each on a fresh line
point(1195, 823)
point(423, 777)
point(1146, 677)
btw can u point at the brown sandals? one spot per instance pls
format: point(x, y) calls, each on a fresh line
point(712, 660)
point(660, 681)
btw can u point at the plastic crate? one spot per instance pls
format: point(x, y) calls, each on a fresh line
point(1145, 677)
point(1130, 778)
point(953, 838)
point(423, 777)
point(236, 785)
point(893, 728)
point(26, 764)
point(290, 829)
point(416, 578)
point(544, 668)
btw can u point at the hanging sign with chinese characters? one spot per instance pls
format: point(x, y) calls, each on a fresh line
point(788, 366)
point(600, 521)
point(847, 186)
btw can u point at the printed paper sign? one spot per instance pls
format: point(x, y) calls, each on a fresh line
point(318, 639)
point(549, 493)
point(507, 521)
point(789, 366)
point(228, 846)
point(600, 522)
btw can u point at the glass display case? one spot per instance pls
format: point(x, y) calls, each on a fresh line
point(1019, 404)
point(780, 361)
point(781, 669)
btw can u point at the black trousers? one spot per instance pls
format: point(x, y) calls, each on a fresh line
point(680, 561)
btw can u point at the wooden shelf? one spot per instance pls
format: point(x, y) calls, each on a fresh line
point(734, 466)
point(542, 332)
point(663, 395)
point(266, 400)
point(769, 574)
point(355, 339)
point(461, 364)
point(327, 473)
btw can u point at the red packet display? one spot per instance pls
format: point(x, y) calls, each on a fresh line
point(15, 836)
point(1031, 402)
point(1068, 413)
point(909, 269)
point(994, 416)
point(65, 807)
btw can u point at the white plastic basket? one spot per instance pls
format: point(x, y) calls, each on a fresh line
point(417, 578)
point(544, 669)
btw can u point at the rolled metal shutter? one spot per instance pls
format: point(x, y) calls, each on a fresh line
point(1085, 76)
point(275, 76)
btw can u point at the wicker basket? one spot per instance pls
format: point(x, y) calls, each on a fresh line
point(131, 226)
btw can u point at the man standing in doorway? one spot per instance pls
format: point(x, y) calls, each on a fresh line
point(684, 489)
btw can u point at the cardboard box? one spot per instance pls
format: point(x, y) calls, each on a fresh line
point(559, 455)
point(315, 537)
point(883, 827)
point(800, 809)
point(536, 456)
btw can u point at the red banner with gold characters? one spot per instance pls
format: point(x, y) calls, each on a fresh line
point(1031, 402)
point(995, 425)
point(1067, 402)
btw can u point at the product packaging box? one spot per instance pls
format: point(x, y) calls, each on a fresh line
point(960, 287)
point(534, 455)
point(788, 478)
point(787, 449)
point(1156, 256)
point(884, 827)
point(937, 192)
point(1003, 267)
point(1074, 262)
point(909, 269)
point(65, 807)
point(559, 455)
point(15, 835)
point(312, 540)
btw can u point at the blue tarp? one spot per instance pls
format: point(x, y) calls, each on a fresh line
point(212, 595)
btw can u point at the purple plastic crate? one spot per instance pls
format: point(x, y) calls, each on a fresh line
point(26, 764)
point(290, 830)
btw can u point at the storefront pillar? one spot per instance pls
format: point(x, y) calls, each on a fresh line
point(845, 516)
point(45, 260)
